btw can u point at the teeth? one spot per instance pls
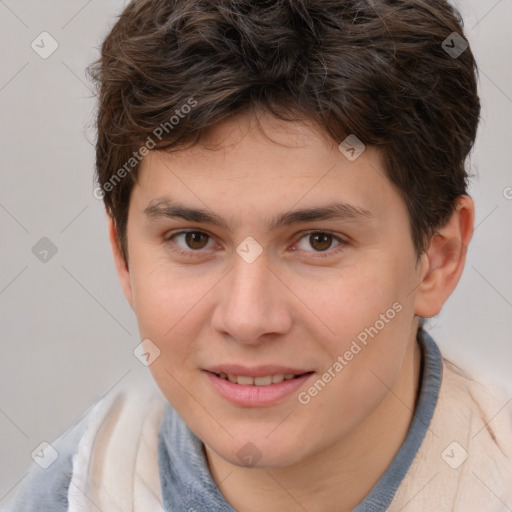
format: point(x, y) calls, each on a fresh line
point(257, 381)
point(263, 381)
point(245, 381)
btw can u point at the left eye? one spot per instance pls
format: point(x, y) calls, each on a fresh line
point(320, 241)
point(194, 240)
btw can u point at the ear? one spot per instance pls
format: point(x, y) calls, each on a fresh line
point(121, 266)
point(444, 260)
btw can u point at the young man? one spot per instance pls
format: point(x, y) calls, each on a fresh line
point(286, 197)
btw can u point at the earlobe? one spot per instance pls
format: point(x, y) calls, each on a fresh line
point(123, 271)
point(445, 259)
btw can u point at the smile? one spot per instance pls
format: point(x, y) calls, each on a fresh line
point(267, 380)
point(263, 390)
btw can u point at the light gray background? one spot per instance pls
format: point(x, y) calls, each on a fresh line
point(67, 331)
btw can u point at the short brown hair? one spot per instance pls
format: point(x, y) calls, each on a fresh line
point(378, 69)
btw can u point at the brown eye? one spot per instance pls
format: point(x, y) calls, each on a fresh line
point(190, 243)
point(320, 241)
point(196, 239)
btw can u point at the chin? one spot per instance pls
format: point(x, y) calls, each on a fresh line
point(260, 452)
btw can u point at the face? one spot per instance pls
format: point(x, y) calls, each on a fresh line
point(275, 276)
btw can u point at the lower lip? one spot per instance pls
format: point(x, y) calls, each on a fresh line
point(256, 396)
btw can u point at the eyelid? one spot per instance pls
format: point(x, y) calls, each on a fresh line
point(172, 234)
point(323, 231)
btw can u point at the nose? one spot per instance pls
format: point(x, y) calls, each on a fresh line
point(253, 303)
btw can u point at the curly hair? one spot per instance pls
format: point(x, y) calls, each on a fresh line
point(171, 69)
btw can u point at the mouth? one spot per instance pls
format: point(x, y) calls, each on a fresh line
point(266, 380)
point(261, 387)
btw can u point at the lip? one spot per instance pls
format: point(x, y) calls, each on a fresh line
point(256, 396)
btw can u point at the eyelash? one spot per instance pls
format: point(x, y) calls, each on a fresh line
point(198, 253)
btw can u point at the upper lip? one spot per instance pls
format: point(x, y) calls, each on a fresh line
point(255, 371)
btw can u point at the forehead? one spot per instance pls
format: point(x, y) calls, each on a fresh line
point(267, 165)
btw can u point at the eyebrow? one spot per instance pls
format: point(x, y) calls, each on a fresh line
point(167, 208)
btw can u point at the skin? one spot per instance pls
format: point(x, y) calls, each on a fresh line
point(290, 306)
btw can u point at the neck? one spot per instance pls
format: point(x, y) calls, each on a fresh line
point(338, 478)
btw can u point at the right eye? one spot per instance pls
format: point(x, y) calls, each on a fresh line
point(189, 242)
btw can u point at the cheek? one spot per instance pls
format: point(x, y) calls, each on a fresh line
point(369, 324)
point(170, 312)
point(159, 291)
point(170, 304)
point(350, 304)
point(364, 362)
